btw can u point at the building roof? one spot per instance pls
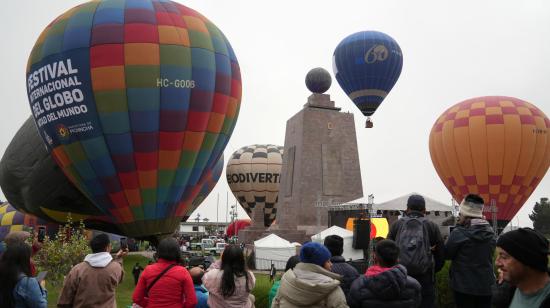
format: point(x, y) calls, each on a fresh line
point(400, 203)
point(334, 230)
point(272, 240)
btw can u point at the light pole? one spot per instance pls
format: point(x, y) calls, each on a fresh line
point(198, 219)
point(370, 203)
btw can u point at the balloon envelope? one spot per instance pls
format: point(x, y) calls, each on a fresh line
point(253, 174)
point(367, 65)
point(136, 101)
point(33, 183)
point(207, 183)
point(234, 227)
point(13, 220)
point(495, 146)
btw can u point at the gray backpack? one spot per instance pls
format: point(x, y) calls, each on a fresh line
point(414, 246)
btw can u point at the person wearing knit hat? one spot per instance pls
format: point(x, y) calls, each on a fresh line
point(310, 283)
point(416, 212)
point(471, 206)
point(335, 245)
point(316, 253)
point(470, 247)
point(522, 257)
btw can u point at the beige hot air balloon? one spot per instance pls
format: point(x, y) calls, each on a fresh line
point(253, 174)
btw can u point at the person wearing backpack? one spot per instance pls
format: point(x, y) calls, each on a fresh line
point(421, 247)
point(470, 247)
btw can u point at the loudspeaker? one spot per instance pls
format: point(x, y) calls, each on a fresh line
point(361, 233)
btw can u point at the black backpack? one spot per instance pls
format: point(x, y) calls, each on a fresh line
point(414, 246)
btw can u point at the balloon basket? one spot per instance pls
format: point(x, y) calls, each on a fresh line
point(369, 123)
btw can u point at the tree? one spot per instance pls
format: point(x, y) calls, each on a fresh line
point(541, 216)
point(59, 255)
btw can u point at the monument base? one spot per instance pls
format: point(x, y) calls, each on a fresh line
point(311, 230)
point(291, 235)
point(249, 235)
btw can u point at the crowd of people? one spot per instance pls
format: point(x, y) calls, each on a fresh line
point(402, 273)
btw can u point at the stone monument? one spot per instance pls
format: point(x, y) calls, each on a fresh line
point(320, 165)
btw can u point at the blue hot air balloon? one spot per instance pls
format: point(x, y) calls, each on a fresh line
point(367, 64)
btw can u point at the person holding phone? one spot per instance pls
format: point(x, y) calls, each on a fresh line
point(93, 283)
point(17, 287)
point(123, 243)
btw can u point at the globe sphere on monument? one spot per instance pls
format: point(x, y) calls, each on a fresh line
point(318, 80)
point(135, 101)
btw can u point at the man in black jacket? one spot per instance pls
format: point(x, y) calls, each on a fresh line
point(416, 209)
point(335, 245)
point(385, 284)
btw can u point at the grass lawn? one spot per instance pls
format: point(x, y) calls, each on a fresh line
point(124, 290)
point(261, 291)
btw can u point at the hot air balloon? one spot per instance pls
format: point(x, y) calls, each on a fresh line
point(135, 100)
point(33, 183)
point(237, 225)
point(253, 174)
point(209, 181)
point(494, 146)
point(13, 220)
point(367, 65)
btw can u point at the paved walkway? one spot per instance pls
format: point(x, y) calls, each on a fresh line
point(145, 253)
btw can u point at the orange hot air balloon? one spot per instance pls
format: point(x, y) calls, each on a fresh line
point(494, 146)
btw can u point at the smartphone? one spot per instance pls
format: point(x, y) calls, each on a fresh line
point(123, 243)
point(41, 233)
point(41, 276)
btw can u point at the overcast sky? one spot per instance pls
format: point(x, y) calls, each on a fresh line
point(452, 51)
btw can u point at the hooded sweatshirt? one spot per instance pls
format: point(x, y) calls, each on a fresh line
point(385, 287)
point(309, 285)
point(92, 283)
point(471, 250)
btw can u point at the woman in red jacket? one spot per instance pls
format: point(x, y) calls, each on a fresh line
point(174, 286)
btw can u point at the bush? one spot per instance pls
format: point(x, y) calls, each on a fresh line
point(59, 255)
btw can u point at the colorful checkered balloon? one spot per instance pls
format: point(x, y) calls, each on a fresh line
point(497, 147)
point(136, 101)
point(253, 174)
point(13, 220)
point(209, 181)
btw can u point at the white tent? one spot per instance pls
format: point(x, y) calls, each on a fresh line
point(273, 249)
point(349, 252)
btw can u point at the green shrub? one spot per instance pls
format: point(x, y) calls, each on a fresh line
point(59, 255)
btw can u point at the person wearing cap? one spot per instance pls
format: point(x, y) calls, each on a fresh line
point(522, 257)
point(335, 244)
point(416, 208)
point(470, 247)
point(311, 283)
